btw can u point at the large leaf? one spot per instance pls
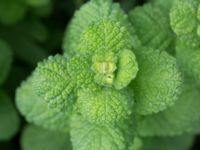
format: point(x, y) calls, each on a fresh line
point(158, 82)
point(36, 110)
point(160, 36)
point(182, 117)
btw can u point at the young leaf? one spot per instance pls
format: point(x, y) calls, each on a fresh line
point(36, 138)
point(114, 70)
point(9, 118)
point(158, 82)
point(183, 17)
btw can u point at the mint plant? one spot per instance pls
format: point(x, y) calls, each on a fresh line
point(125, 81)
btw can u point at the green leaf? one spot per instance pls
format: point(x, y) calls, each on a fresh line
point(105, 106)
point(105, 35)
point(36, 138)
point(183, 17)
point(183, 142)
point(160, 36)
point(114, 70)
point(182, 117)
point(88, 14)
point(9, 118)
point(127, 69)
point(158, 82)
point(53, 82)
point(57, 79)
point(87, 136)
point(12, 11)
point(5, 60)
point(36, 110)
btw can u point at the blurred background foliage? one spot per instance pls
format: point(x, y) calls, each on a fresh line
point(33, 30)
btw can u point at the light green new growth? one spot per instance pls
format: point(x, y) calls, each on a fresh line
point(114, 70)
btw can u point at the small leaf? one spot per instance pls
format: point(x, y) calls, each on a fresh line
point(9, 118)
point(105, 35)
point(183, 17)
point(114, 70)
point(36, 138)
